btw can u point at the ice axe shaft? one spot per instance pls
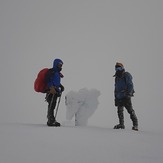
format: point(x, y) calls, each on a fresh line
point(58, 106)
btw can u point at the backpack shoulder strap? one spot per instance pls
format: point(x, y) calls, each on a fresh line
point(49, 75)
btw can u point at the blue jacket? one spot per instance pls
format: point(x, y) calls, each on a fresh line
point(123, 86)
point(55, 79)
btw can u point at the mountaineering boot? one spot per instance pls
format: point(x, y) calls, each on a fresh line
point(134, 120)
point(119, 126)
point(55, 124)
point(135, 128)
point(52, 122)
point(121, 119)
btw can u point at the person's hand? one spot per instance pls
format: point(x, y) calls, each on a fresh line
point(62, 88)
point(119, 102)
point(129, 95)
point(116, 102)
point(52, 90)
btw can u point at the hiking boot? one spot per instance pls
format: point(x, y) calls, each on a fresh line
point(135, 128)
point(56, 124)
point(119, 126)
point(51, 120)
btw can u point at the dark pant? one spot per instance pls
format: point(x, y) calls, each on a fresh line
point(128, 105)
point(51, 99)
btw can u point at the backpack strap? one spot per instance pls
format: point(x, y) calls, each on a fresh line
point(49, 75)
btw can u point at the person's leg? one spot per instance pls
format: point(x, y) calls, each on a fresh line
point(51, 106)
point(121, 118)
point(130, 110)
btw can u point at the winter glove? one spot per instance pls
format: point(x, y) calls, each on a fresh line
point(116, 102)
point(62, 88)
point(52, 90)
point(119, 102)
point(128, 96)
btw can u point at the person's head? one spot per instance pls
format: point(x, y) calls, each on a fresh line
point(57, 64)
point(119, 68)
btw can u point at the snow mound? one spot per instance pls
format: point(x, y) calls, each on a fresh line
point(81, 105)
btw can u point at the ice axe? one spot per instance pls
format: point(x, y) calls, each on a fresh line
point(58, 106)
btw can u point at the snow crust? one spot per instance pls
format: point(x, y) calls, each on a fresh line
point(37, 143)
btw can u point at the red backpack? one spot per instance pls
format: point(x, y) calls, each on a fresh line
point(40, 85)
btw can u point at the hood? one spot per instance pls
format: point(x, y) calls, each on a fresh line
point(56, 62)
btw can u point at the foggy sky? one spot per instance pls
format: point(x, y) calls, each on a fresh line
point(90, 36)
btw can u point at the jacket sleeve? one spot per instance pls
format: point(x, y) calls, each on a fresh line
point(115, 90)
point(130, 85)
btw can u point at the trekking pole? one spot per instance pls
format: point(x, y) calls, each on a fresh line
point(58, 106)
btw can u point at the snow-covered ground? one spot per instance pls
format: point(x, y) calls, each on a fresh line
point(37, 143)
point(90, 36)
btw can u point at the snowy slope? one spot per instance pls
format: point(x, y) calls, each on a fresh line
point(36, 143)
point(90, 36)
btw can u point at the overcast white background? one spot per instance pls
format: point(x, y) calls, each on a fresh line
point(90, 36)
